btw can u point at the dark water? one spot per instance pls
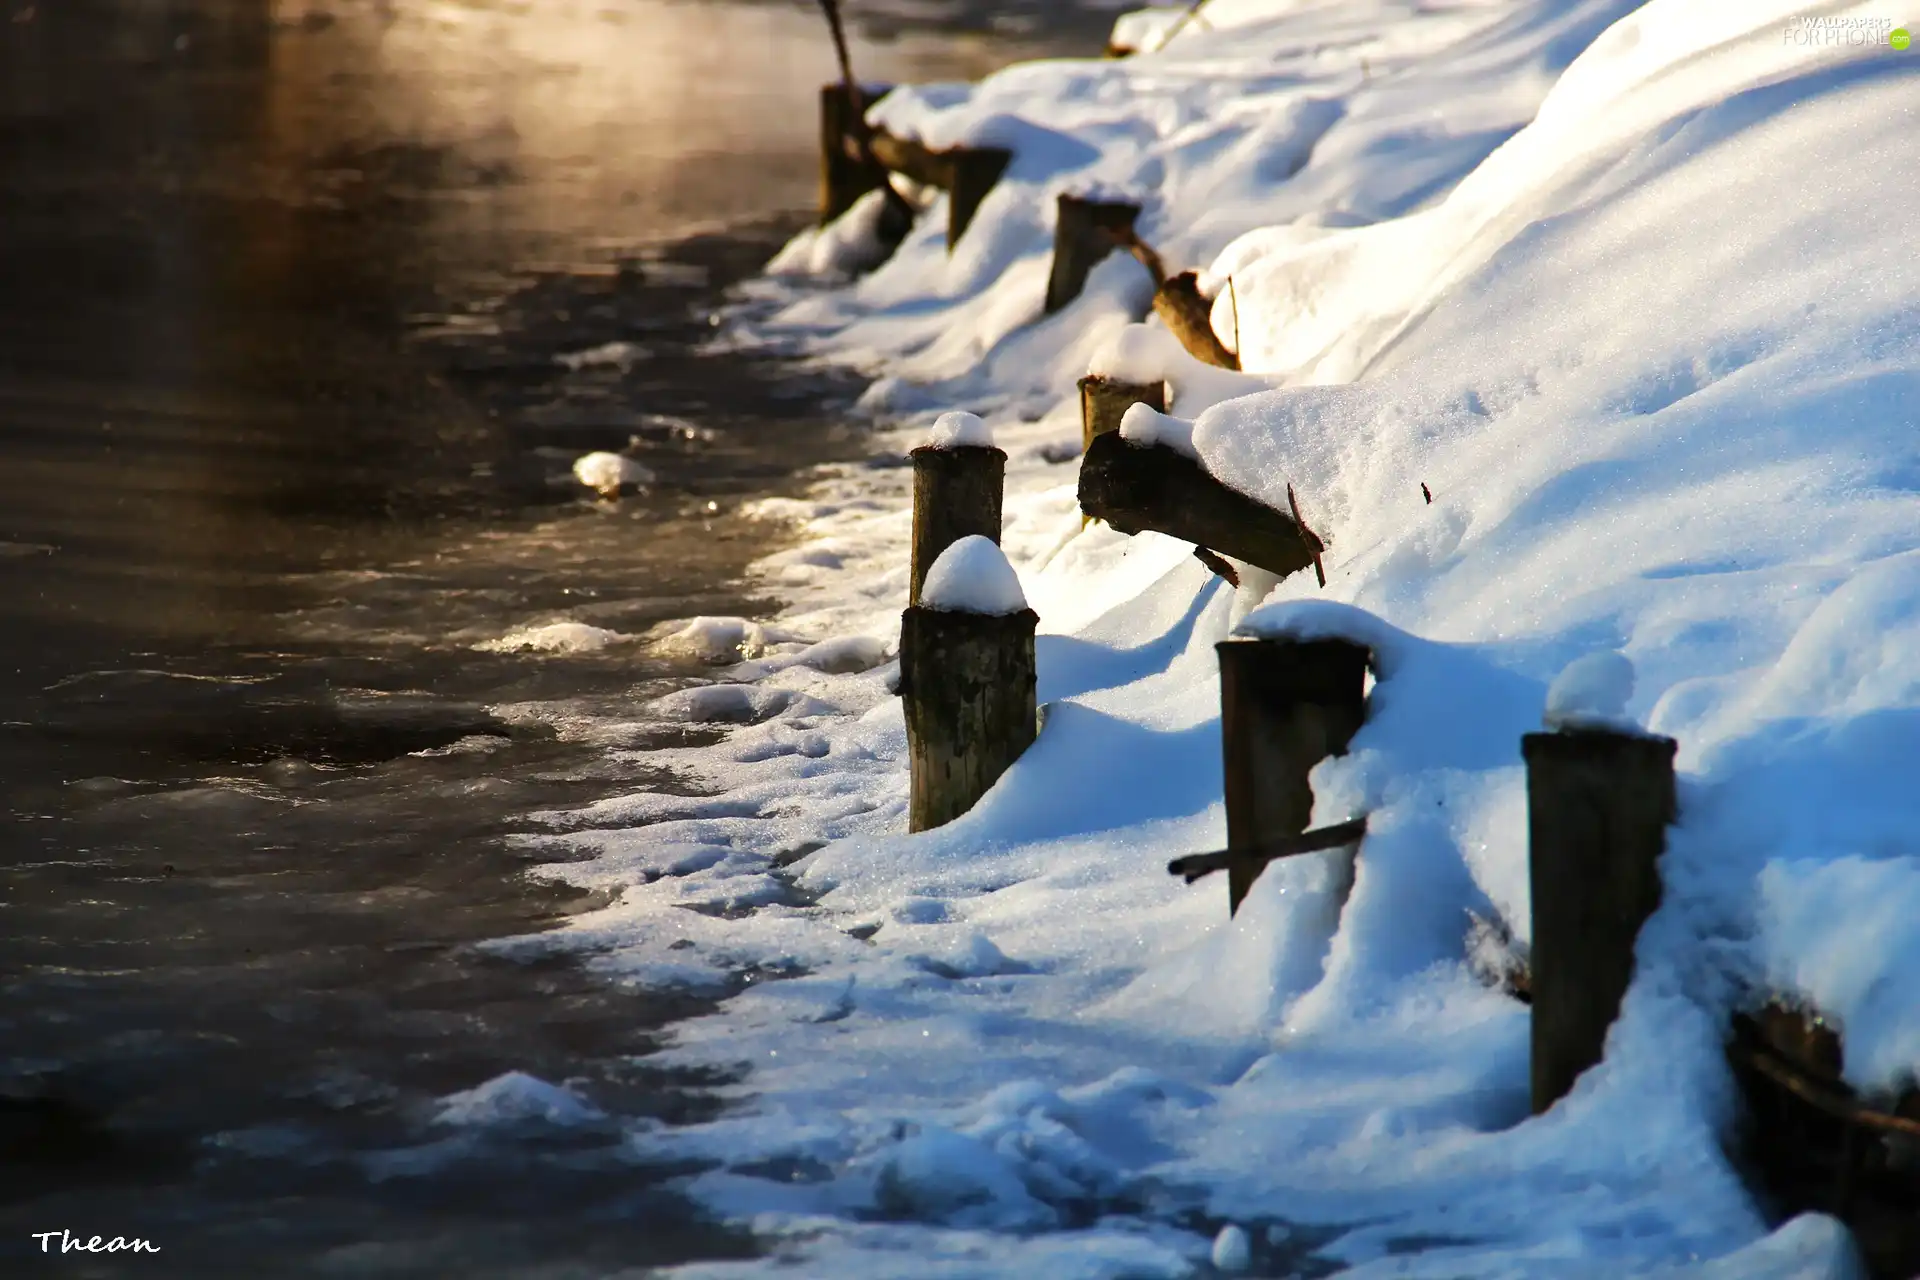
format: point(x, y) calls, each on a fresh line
point(284, 433)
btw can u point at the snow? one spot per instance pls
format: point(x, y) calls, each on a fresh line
point(1142, 424)
point(973, 576)
point(1584, 333)
point(1591, 693)
point(841, 250)
point(960, 431)
point(609, 473)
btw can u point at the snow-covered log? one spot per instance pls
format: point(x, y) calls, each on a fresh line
point(1159, 488)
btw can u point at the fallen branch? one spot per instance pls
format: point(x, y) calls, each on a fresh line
point(1196, 866)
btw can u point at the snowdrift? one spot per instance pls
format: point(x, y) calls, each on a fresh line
point(1628, 290)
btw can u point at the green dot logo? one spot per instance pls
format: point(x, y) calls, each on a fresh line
point(1899, 38)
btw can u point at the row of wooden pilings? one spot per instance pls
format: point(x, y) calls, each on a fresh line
point(1599, 803)
point(857, 158)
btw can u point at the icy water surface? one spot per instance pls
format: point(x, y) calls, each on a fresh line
point(305, 309)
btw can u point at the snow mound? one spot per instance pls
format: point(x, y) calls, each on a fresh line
point(609, 473)
point(973, 576)
point(554, 637)
point(960, 431)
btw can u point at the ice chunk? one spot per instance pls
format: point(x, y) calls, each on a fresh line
point(1592, 692)
point(554, 637)
point(1232, 1251)
point(609, 473)
point(960, 431)
point(718, 639)
point(618, 355)
point(973, 576)
point(516, 1098)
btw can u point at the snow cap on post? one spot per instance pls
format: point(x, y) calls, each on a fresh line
point(960, 431)
point(973, 576)
point(1592, 693)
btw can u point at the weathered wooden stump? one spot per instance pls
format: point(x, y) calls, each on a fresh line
point(847, 170)
point(1285, 705)
point(1104, 401)
point(966, 174)
point(968, 683)
point(1084, 233)
point(1598, 806)
point(1189, 316)
point(1134, 487)
point(956, 493)
point(1815, 1145)
point(976, 171)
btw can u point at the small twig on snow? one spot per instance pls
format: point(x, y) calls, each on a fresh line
point(1234, 298)
point(1218, 564)
point(1313, 539)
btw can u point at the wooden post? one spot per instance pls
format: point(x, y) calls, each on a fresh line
point(956, 492)
point(975, 172)
point(1084, 232)
point(1104, 401)
point(1285, 705)
point(846, 171)
point(967, 680)
point(1598, 805)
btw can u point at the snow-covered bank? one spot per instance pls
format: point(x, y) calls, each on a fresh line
point(1625, 291)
